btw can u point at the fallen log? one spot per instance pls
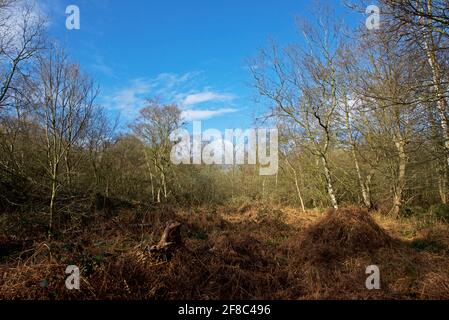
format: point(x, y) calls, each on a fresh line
point(170, 240)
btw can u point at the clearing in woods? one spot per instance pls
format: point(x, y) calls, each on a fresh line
point(255, 251)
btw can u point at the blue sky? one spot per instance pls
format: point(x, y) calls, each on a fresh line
point(193, 53)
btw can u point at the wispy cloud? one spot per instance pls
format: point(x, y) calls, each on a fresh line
point(101, 66)
point(196, 115)
point(129, 99)
point(181, 89)
point(205, 96)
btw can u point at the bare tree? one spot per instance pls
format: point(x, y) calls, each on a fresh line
point(390, 98)
point(423, 26)
point(64, 99)
point(22, 30)
point(153, 127)
point(99, 137)
point(303, 82)
point(416, 14)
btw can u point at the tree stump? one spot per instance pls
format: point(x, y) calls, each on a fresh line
point(170, 240)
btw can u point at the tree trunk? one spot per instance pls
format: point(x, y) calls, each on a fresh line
point(429, 45)
point(400, 185)
point(364, 188)
point(329, 183)
point(441, 167)
point(442, 184)
point(52, 206)
point(298, 190)
point(147, 160)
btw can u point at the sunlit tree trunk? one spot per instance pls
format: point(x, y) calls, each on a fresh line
point(430, 49)
point(400, 185)
point(329, 182)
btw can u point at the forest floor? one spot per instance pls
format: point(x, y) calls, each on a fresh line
point(251, 252)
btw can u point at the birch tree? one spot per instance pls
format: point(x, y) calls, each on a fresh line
point(65, 100)
point(302, 82)
point(153, 127)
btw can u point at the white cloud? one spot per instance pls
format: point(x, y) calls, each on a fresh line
point(205, 96)
point(130, 99)
point(170, 88)
point(196, 115)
